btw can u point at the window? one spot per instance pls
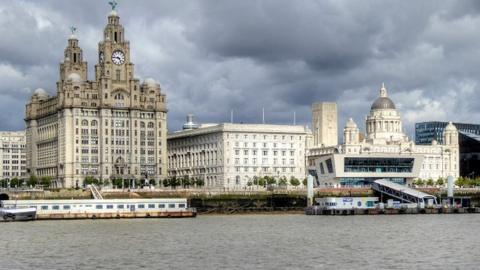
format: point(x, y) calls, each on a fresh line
point(44, 207)
point(161, 205)
point(99, 206)
point(141, 206)
point(120, 206)
point(171, 205)
point(55, 207)
point(109, 206)
point(151, 206)
point(182, 205)
point(66, 207)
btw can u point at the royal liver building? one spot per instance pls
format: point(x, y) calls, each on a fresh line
point(113, 126)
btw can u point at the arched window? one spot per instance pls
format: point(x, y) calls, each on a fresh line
point(93, 123)
point(84, 123)
point(119, 97)
point(142, 124)
point(150, 124)
point(237, 180)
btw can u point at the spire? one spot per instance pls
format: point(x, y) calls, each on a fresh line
point(383, 91)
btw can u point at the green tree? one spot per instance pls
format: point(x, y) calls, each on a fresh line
point(166, 182)
point(304, 182)
point(262, 181)
point(185, 182)
point(117, 182)
point(46, 181)
point(270, 180)
point(14, 182)
point(294, 181)
point(430, 182)
point(250, 183)
point(440, 181)
point(199, 182)
point(32, 181)
point(153, 182)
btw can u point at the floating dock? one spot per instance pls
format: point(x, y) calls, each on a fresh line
point(105, 209)
point(314, 210)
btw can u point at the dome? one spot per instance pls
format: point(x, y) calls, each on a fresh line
point(450, 127)
point(40, 93)
point(150, 82)
point(113, 13)
point(351, 124)
point(383, 102)
point(74, 77)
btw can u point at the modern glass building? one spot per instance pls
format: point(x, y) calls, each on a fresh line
point(469, 154)
point(425, 132)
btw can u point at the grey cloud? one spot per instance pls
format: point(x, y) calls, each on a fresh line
point(214, 56)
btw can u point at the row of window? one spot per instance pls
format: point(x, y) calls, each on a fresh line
point(118, 206)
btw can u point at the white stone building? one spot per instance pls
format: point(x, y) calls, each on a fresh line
point(385, 152)
point(12, 154)
point(230, 155)
point(112, 126)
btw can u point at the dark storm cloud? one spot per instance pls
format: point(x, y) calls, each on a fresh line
point(212, 57)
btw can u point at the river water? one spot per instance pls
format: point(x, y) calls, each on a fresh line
point(246, 242)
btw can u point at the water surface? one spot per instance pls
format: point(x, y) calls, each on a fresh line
point(246, 242)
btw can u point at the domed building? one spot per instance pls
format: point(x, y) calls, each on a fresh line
point(385, 152)
point(113, 126)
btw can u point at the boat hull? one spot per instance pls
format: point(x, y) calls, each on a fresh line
point(18, 214)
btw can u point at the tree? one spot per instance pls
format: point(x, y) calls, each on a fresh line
point(262, 182)
point(199, 182)
point(304, 182)
point(117, 182)
point(270, 180)
point(46, 181)
point(294, 181)
point(166, 182)
point(249, 183)
point(32, 181)
point(14, 182)
point(153, 182)
point(430, 182)
point(440, 181)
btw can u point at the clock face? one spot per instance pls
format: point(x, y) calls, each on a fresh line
point(101, 57)
point(118, 57)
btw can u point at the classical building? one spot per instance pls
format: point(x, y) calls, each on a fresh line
point(12, 154)
point(384, 152)
point(230, 155)
point(324, 124)
point(112, 126)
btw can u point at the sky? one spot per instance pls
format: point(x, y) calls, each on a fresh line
point(212, 56)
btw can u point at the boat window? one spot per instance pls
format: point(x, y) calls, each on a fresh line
point(33, 206)
point(88, 205)
point(171, 205)
point(151, 206)
point(141, 206)
point(44, 207)
point(66, 207)
point(120, 206)
point(99, 206)
point(162, 205)
point(182, 205)
point(55, 207)
point(109, 206)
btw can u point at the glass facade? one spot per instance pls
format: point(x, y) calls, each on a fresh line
point(427, 131)
point(361, 181)
point(378, 165)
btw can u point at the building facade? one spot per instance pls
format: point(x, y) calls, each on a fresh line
point(230, 155)
point(385, 152)
point(426, 132)
point(13, 154)
point(324, 124)
point(112, 126)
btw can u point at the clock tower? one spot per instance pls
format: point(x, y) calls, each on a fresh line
point(114, 71)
